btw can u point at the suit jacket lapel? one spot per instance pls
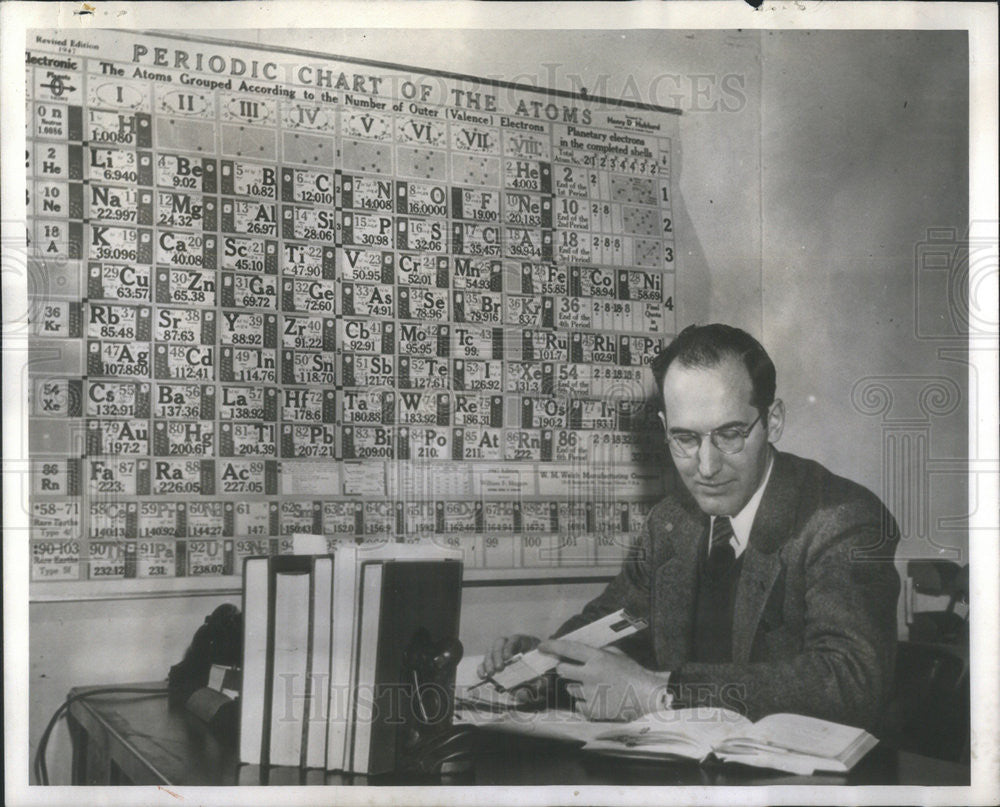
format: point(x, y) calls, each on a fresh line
point(762, 564)
point(760, 570)
point(675, 583)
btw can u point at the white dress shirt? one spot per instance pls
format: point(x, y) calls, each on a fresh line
point(743, 521)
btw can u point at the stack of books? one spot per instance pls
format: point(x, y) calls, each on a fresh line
point(326, 679)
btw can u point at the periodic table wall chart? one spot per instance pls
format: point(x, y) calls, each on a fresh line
point(279, 292)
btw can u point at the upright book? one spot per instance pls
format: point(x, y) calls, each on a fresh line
point(344, 634)
point(289, 660)
point(318, 677)
point(286, 605)
point(409, 610)
point(253, 688)
point(342, 630)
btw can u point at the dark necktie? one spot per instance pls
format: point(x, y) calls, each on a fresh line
point(721, 554)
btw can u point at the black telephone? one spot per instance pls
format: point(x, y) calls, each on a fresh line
point(431, 744)
point(219, 640)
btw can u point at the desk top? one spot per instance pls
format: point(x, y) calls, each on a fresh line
point(156, 743)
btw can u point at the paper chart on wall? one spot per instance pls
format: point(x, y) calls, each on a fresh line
point(283, 292)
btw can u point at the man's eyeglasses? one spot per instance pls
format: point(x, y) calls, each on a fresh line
point(728, 439)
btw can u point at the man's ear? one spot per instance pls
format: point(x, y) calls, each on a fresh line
point(775, 420)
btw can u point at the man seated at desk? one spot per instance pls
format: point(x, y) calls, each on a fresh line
point(767, 581)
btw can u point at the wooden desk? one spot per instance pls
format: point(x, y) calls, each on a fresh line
point(142, 740)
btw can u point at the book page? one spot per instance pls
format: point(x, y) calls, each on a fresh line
point(808, 735)
point(553, 724)
point(781, 761)
point(689, 732)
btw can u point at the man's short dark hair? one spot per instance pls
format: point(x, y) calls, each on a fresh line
point(707, 346)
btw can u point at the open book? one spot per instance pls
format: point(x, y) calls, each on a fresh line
point(786, 742)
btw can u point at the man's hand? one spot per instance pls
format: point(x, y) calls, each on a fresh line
point(531, 693)
point(607, 685)
point(503, 650)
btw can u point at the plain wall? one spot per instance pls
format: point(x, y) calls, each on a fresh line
point(864, 149)
point(800, 211)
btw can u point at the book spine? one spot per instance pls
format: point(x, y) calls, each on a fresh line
point(289, 666)
point(367, 656)
point(307, 679)
point(318, 683)
point(387, 691)
point(341, 656)
point(419, 610)
point(254, 684)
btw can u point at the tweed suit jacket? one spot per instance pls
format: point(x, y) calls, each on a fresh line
point(814, 624)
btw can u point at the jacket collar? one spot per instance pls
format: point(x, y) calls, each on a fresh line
point(776, 514)
point(677, 570)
